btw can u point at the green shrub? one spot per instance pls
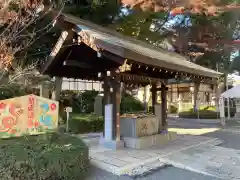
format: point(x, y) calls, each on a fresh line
point(86, 124)
point(172, 109)
point(88, 99)
point(130, 104)
point(208, 112)
point(43, 157)
point(80, 102)
point(203, 114)
point(84, 102)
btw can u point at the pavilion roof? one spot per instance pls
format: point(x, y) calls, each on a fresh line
point(130, 48)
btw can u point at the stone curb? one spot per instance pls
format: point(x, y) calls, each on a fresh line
point(202, 121)
point(182, 166)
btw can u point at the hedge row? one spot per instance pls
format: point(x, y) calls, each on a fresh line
point(204, 114)
point(43, 157)
point(86, 125)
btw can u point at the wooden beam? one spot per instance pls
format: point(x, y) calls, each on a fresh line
point(136, 79)
point(160, 89)
point(76, 64)
point(64, 38)
point(112, 57)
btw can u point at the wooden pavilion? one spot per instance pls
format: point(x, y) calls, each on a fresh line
point(88, 51)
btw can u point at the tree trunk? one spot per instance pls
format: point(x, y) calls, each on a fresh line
point(57, 89)
point(56, 96)
point(195, 95)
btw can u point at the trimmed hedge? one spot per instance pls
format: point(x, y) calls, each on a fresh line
point(43, 157)
point(203, 114)
point(86, 123)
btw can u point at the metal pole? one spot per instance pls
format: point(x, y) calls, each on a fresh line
point(228, 102)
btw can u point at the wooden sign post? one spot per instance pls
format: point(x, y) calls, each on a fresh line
point(68, 111)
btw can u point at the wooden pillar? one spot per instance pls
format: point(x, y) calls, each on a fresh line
point(164, 106)
point(116, 100)
point(154, 97)
point(145, 98)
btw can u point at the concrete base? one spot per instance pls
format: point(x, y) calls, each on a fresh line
point(237, 115)
point(149, 141)
point(223, 121)
point(111, 144)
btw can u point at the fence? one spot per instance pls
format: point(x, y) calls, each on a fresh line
point(81, 85)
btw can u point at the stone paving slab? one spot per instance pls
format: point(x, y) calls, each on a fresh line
point(131, 161)
point(209, 160)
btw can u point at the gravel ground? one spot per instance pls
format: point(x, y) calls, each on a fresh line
point(169, 173)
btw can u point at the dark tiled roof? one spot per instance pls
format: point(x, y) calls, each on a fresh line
point(136, 50)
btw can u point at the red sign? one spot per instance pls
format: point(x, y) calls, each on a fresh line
point(30, 111)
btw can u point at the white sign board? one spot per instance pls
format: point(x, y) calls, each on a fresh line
point(68, 109)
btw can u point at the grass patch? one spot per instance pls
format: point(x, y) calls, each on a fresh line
point(43, 157)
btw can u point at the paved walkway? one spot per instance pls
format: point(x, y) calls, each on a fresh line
point(199, 154)
point(168, 173)
point(209, 160)
point(134, 162)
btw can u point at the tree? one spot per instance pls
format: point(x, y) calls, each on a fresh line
point(98, 11)
point(206, 35)
point(22, 25)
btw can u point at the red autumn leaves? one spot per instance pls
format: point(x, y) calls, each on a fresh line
point(210, 7)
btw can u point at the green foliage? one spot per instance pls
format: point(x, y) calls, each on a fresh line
point(85, 123)
point(172, 109)
point(80, 101)
point(43, 157)
point(84, 102)
point(16, 91)
point(137, 25)
point(98, 11)
point(130, 104)
point(88, 99)
point(205, 112)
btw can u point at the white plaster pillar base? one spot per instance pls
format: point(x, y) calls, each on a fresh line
point(108, 141)
point(158, 113)
point(113, 144)
point(223, 121)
